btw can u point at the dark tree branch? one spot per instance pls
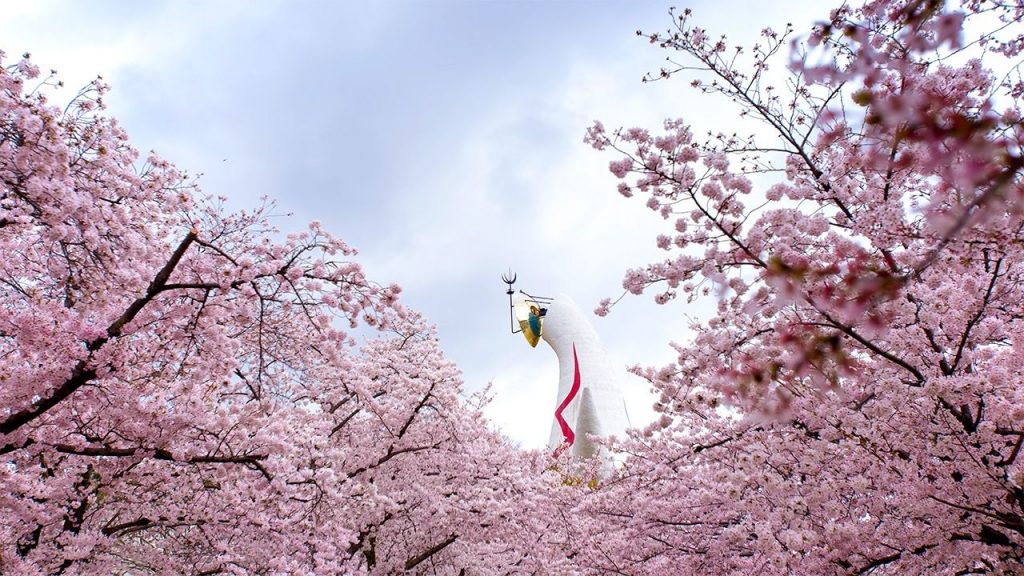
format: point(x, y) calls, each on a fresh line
point(974, 320)
point(83, 372)
point(253, 461)
point(426, 554)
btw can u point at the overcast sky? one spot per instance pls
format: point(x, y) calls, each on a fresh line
point(442, 139)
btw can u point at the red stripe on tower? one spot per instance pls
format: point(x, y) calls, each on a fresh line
point(567, 431)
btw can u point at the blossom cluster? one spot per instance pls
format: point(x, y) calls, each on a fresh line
point(851, 407)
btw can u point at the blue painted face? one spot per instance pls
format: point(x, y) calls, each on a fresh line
point(534, 321)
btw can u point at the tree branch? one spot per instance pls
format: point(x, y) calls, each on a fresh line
point(253, 461)
point(426, 554)
point(82, 372)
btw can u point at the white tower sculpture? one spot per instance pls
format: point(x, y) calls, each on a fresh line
point(589, 399)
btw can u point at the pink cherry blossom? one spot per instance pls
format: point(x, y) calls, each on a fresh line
point(852, 405)
point(181, 392)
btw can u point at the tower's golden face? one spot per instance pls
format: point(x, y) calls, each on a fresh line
point(530, 319)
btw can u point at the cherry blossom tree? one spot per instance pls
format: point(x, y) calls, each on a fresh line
point(855, 404)
point(183, 389)
point(183, 392)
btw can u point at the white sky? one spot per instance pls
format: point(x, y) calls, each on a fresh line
point(442, 139)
